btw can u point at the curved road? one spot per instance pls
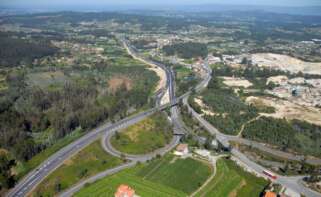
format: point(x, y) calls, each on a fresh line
point(177, 126)
point(33, 178)
point(53, 162)
point(294, 182)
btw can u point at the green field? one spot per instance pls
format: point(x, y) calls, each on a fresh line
point(146, 136)
point(168, 176)
point(184, 174)
point(231, 180)
point(182, 72)
point(87, 162)
point(142, 187)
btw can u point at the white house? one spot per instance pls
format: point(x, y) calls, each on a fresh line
point(181, 150)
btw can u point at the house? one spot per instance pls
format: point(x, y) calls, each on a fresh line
point(124, 191)
point(181, 150)
point(214, 144)
point(270, 194)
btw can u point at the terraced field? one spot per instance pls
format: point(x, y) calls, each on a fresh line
point(231, 180)
point(168, 176)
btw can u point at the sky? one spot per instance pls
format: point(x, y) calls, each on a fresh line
point(45, 3)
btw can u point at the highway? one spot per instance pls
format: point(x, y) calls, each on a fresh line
point(176, 123)
point(36, 176)
point(174, 115)
point(96, 177)
point(33, 178)
point(292, 182)
point(107, 130)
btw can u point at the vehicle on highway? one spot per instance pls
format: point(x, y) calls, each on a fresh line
point(270, 174)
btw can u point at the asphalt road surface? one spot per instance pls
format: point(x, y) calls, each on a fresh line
point(294, 183)
point(36, 176)
point(177, 127)
point(32, 179)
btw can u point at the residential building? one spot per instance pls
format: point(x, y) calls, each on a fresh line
point(124, 191)
point(181, 150)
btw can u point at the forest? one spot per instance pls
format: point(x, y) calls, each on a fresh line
point(295, 135)
point(17, 51)
point(231, 111)
point(187, 50)
point(43, 104)
point(25, 110)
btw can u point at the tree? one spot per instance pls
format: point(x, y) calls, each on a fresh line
point(244, 61)
point(58, 187)
point(6, 178)
point(208, 143)
point(123, 157)
point(304, 166)
point(117, 136)
point(285, 167)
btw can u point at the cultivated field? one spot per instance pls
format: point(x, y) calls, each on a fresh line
point(182, 174)
point(108, 186)
point(230, 180)
point(168, 176)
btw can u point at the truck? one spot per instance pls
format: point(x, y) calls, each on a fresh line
point(269, 174)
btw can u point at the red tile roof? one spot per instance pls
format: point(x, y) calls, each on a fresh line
point(181, 147)
point(124, 191)
point(269, 194)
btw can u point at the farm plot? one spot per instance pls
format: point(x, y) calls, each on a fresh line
point(231, 180)
point(167, 176)
point(182, 174)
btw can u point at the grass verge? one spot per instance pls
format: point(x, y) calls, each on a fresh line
point(25, 167)
point(89, 161)
point(146, 136)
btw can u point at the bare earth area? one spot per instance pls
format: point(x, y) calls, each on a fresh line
point(119, 81)
point(280, 79)
point(161, 74)
point(286, 63)
point(165, 99)
point(307, 91)
point(205, 108)
point(288, 110)
point(236, 82)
